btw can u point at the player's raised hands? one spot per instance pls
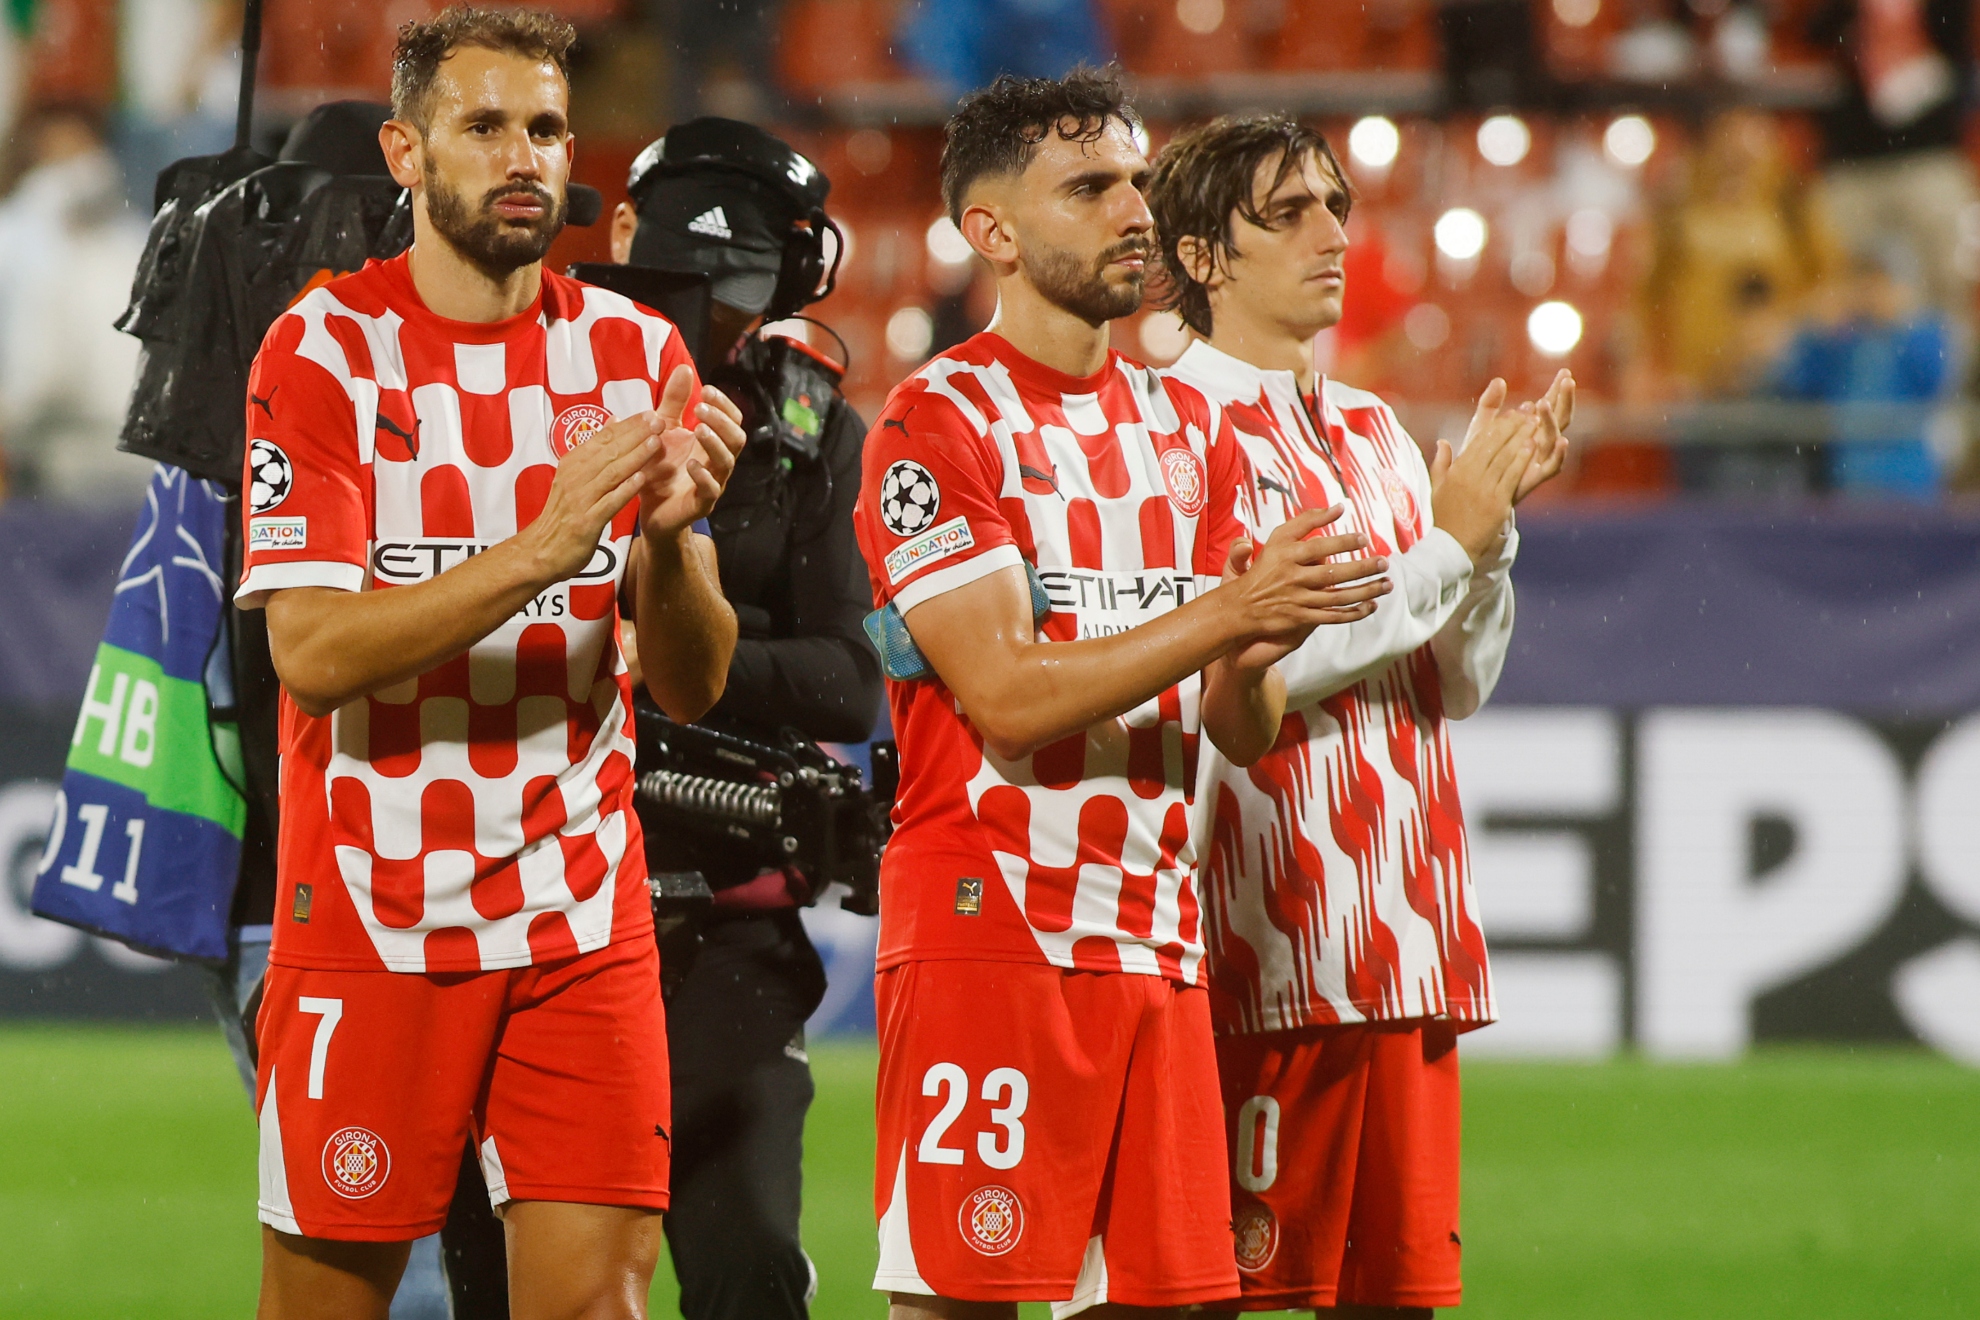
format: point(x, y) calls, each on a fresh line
point(1472, 490)
point(684, 481)
point(594, 481)
point(1554, 411)
point(1287, 587)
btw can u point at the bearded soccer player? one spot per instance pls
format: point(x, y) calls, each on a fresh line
point(468, 464)
point(1048, 522)
point(1343, 941)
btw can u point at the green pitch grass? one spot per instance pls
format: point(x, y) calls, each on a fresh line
point(1801, 1184)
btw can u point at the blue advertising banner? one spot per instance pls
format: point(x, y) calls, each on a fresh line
point(1725, 790)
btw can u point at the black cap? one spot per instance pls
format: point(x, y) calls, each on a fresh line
point(341, 137)
point(723, 198)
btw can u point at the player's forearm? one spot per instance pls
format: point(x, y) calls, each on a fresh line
point(331, 647)
point(1470, 649)
point(1023, 696)
point(686, 630)
point(1432, 581)
point(1242, 710)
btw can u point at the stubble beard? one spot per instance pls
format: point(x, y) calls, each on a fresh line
point(1068, 281)
point(496, 247)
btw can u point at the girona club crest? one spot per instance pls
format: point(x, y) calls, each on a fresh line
point(355, 1162)
point(577, 424)
point(1182, 473)
point(1401, 502)
point(992, 1219)
point(1256, 1234)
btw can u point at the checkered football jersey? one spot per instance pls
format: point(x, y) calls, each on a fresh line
point(479, 816)
point(1118, 490)
point(1336, 876)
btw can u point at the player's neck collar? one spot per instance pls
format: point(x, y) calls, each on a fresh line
point(1036, 374)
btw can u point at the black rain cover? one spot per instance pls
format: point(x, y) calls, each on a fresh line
point(235, 240)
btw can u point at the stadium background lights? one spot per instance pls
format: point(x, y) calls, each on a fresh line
point(1554, 328)
point(1426, 327)
point(1504, 139)
point(1200, 16)
point(1629, 140)
point(1460, 233)
point(946, 243)
point(1577, 13)
point(910, 332)
point(1374, 142)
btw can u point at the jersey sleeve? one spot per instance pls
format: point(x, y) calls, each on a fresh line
point(928, 515)
point(305, 487)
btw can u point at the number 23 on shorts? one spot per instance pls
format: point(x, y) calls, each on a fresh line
point(1008, 1092)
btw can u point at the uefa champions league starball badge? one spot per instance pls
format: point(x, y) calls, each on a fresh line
point(269, 476)
point(909, 498)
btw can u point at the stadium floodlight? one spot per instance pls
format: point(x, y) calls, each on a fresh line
point(1554, 328)
point(1577, 13)
point(1504, 139)
point(1460, 233)
point(1374, 142)
point(1200, 16)
point(946, 243)
point(1629, 140)
point(910, 332)
point(1590, 231)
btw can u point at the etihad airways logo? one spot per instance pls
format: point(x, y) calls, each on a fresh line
point(403, 562)
point(1106, 603)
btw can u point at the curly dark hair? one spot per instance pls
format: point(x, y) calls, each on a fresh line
point(1206, 175)
point(997, 129)
point(424, 46)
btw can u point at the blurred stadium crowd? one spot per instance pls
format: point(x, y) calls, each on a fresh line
point(1751, 229)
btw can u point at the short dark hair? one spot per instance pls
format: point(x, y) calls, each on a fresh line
point(425, 45)
point(997, 129)
point(1207, 174)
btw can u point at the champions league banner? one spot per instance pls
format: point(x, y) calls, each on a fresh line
point(1728, 790)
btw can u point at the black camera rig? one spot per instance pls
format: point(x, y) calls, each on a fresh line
point(787, 806)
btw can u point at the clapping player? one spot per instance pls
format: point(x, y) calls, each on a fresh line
point(1343, 942)
point(1048, 1114)
point(485, 460)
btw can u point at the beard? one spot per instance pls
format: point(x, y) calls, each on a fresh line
point(1081, 287)
point(495, 246)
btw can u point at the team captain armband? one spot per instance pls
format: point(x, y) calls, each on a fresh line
point(901, 660)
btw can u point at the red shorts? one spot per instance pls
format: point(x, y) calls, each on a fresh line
point(1047, 1135)
point(372, 1083)
point(1344, 1169)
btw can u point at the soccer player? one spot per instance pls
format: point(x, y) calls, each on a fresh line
point(1343, 942)
point(468, 463)
point(1048, 1114)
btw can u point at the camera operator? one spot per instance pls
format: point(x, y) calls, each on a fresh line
point(727, 202)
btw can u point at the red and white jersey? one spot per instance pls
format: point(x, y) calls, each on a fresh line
point(1336, 879)
point(1117, 490)
point(480, 815)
